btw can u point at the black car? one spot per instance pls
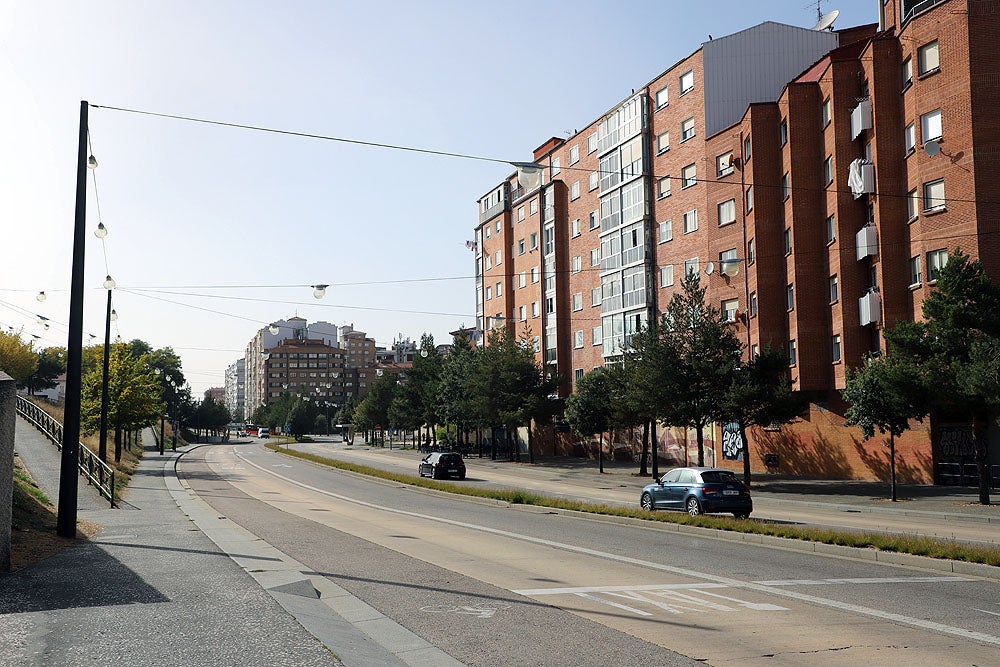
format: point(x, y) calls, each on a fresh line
point(697, 491)
point(442, 464)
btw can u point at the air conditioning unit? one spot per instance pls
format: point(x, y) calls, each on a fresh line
point(870, 308)
point(866, 242)
point(861, 117)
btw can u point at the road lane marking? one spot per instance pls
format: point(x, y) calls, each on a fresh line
point(862, 580)
point(616, 605)
point(729, 581)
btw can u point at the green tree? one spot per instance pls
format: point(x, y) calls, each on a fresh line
point(51, 364)
point(301, 417)
point(454, 398)
point(17, 359)
point(373, 410)
point(634, 390)
point(590, 407)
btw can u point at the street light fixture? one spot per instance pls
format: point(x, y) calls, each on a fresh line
point(319, 291)
point(41, 296)
point(101, 230)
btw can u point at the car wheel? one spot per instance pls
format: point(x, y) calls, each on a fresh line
point(461, 477)
point(646, 502)
point(693, 506)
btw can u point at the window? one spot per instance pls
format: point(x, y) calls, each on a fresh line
point(691, 267)
point(661, 98)
point(595, 257)
point(574, 191)
point(746, 148)
point(687, 129)
point(574, 154)
point(828, 170)
point(578, 301)
point(595, 336)
point(751, 258)
point(729, 308)
point(665, 231)
point(786, 186)
point(534, 309)
point(691, 221)
point(662, 142)
point(836, 348)
point(520, 213)
point(930, 126)
point(595, 296)
point(936, 259)
point(556, 166)
point(574, 227)
point(792, 353)
point(727, 212)
point(909, 138)
point(578, 342)
point(489, 293)
point(663, 187)
point(790, 297)
point(577, 264)
point(783, 132)
point(907, 72)
point(788, 240)
point(928, 59)
point(536, 344)
point(498, 289)
point(834, 289)
point(533, 241)
point(550, 305)
point(489, 262)
point(534, 274)
point(522, 280)
point(749, 198)
point(667, 275)
point(687, 81)
point(497, 259)
point(577, 375)
point(595, 219)
point(522, 313)
point(825, 112)
point(592, 143)
point(831, 229)
point(533, 206)
point(934, 195)
point(915, 271)
point(753, 304)
point(725, 164)
point(593, 181)
point(487, 231)
point(689, 176)
point(498, 226)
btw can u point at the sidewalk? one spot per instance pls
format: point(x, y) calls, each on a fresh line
point(153, 589)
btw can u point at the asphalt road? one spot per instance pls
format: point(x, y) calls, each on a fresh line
point(489, 584)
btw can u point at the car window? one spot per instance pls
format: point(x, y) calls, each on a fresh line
point(719, 476)
point(451, 458)
point(687, 477)
point(671, 477)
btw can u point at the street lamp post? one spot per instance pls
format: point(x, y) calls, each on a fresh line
point(109, 284)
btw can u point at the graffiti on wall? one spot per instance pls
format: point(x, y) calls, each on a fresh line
point(956, 442)
point(732, 444)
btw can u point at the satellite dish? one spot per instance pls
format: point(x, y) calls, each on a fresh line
point(709, 268)
point(932, 148)
point(826, 21)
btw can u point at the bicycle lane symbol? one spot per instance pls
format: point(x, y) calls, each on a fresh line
point(478, 612)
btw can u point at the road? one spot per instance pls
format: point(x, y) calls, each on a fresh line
point(491, 585)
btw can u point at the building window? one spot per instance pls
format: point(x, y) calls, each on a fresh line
point(556, 166)
point(577, 264)
point(915, 271)
point(533, 206)
point(907, 72)
point(489, 262)
point(520, 215)
point(534, 274)
point(834, 289)
point(691, 267)
point(663, 187)
point(550, 305)
point(574, 154)
point(753, 304)
point(754, 351)
point(533, 241)
point(927, 58)
point(831, 229)
point(522, 280)
point(934, 195)
point(595, 296)
point(665, 231)
point(574, 228)
point(788, 240)
point(574, 191)
point(751, 257)
point(592, 143)
point(691, 221)
point(792, 353)
point(489, 293)
point(687, 81)
point(727, 212)
point(687, 129)
point(578, 301)
point(578, 339)
point(595, 219)
point(498, 227)
point(662, 142)
point(930, 126)
point(522, 313)
point(936, 259)
point(786, 186)
point(595, 257)
point(536, 344)
point(487, 231)
point(790, 297)
point(725, 164)
point(593, 181)
point(595, 336)
point(746, 148)
point(689, 176)
point(661, 98)
point(836, 348)
point(828, 170)
point(534, 309)
point(825, 113)
point(909, 138)
point(729, 308)
point(499, 289)
point(520, 247)
point(749, 198)
point(577, 375)
point(783, 132)
point(667, 275)
point(497, 258)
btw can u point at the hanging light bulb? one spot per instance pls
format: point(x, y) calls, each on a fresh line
point(273, 329)
point(91, 162)
point(101, 230)
point(41, 319)
point(319, 291)
point(118, 339)
point(114, 315)
point(423, 353)
point(109, 283)
point(41, 296)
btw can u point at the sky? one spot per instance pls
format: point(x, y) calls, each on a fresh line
point(216, 231)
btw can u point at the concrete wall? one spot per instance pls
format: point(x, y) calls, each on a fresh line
point(8, 391)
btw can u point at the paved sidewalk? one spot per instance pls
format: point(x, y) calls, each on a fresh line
point(152, 589)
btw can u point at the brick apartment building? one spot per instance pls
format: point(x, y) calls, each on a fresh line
point(814, 179)
point(309, 366)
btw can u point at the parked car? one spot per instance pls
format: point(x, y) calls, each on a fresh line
point(264, 432)
point(442, 464)
point(698, 491)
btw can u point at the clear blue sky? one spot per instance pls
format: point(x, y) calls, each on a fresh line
point(190, 207)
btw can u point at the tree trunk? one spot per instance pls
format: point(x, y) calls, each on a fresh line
point(531, 453)
point(644, 456)
point(118, 444)
point(654, 448)
point(600, 453)
point(892, 464)
point(746, 455)
point(980, 437)
point(700, 435)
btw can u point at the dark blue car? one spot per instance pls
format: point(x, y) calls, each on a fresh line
point(698, 491)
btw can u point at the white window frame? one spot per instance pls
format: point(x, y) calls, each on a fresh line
point(520, 213)
point(927, 65)
point(574, 154)
point(574, 191)
point(667, 275)
point(931, 128)
point(936, 260)
point(834, 289)
point(593, 181)
point(556, 166)
point(727, 212)
point(686, 82)
point(661, 191)
point(729, 308)
point(687, 129)
point(577, 264)
point(915, 274)
point(725, 164)
point(835, 351)
point(578, 339)
point(574, 228)
point(662, 143)
point(662, 97)
point(689, 176)
point(691, 266)
point(577, 301)
point(831, 228)
point(691, 221)
point(665, 231)
point(931, 202)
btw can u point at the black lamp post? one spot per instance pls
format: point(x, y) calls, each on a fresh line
point(109, 284)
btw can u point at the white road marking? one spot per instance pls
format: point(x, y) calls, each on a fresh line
point(637, 612)
point(863, 580)
point(986, 612)
point(728, 581)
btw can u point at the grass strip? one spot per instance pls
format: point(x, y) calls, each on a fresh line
point(906, 544)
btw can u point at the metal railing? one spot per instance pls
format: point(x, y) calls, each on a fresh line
point(97, 472)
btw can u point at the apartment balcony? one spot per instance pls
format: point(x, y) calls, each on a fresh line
point(861, 178)
point(861, 117)
point(493, 211)
point(866, 242)
point(870, 308)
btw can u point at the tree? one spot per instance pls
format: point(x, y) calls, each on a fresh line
point(51, 364)
point(963, 309)
point(212, 415)
point(373, 409)
point(589, 407)
point(17, 359)
point(634, 391)
point(454, 395)
point(300, 417)
point(885, 394)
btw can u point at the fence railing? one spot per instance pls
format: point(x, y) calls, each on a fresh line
point(97, 472)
